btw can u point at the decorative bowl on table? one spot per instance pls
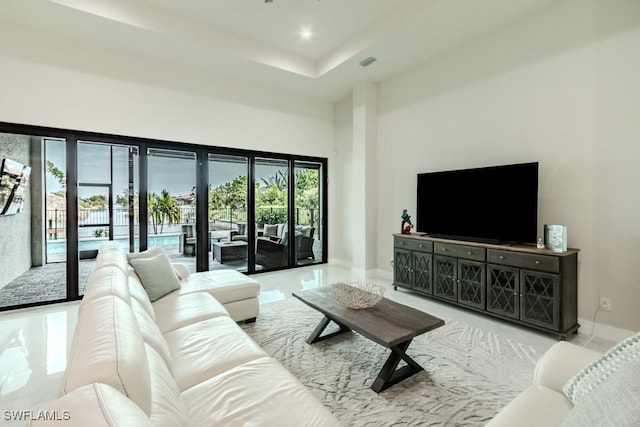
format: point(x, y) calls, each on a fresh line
point(359, 294)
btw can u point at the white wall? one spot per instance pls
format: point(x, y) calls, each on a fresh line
point(58, 82)
point(560, 88)
point(363, 174)
point(342, 209)
point(80, 101)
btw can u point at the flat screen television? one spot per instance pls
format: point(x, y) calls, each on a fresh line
point(497, 204)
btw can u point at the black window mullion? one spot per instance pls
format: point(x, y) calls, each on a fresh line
point(72, 217)
point(324, 185)
point(291, 208)
point(202, 211)
point(251, 215)
point(111, 201)
point(131, 197)
point(142, 202)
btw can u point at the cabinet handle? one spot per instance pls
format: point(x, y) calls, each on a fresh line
point(469, 253)
point(392, 263)
point(444, 249)
point(538, 262)
point(422, 246)
point(501, 257)
point(515, 293)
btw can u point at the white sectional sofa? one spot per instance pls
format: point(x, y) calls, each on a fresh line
point(179, 361)
point(544, 403)
point(577, 387)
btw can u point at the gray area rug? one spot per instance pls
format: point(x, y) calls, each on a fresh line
point(469, 374)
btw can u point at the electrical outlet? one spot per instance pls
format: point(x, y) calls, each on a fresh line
point(605, 303)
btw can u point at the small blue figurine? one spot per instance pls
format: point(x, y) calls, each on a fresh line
point(406, 223)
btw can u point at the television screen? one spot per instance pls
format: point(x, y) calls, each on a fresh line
point(496, 204)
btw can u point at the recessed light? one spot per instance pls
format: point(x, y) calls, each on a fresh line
point(306, 34)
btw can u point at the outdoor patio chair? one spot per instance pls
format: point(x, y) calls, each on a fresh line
point(188, 240)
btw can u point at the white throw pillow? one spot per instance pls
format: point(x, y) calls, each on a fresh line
point(590, 377)
point(157, 275)
point(615, 403)
point(156, 250)
point(270, 230)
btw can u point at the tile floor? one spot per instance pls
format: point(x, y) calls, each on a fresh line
point(34, 342)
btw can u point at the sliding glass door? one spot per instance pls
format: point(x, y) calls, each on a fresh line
point(272, 213)
point(33, 253)
point(206, 207)
point(308, 212)
point(228, 225)
point(171, 204)
point(55, 201)
point(108, 188)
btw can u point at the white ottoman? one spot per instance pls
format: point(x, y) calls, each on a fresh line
point(237, 292)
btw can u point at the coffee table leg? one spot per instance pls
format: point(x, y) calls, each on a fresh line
point(315, 335)
point(389, 374)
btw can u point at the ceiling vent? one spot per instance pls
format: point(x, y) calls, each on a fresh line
point(368, 61)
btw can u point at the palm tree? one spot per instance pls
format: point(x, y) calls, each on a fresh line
point(154, 213)
point(278, 181)
point(162, 208)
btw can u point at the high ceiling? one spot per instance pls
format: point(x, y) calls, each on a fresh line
point(260, 42)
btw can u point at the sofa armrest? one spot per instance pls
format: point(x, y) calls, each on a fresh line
point(182, 271)
point(560, 363)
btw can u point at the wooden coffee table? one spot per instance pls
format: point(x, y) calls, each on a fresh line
point(388, 323)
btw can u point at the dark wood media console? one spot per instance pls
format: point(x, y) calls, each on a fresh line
point(532, 287)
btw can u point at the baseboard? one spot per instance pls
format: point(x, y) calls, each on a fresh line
point(383, 274)
point(360, 272)
point(339, 262)
point(601, 330)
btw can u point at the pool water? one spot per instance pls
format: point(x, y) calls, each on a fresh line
point(60, 246)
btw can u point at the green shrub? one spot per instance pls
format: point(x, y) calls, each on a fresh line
point(271, 215)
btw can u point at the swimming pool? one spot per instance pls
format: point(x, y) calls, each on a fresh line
point(60, 246)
